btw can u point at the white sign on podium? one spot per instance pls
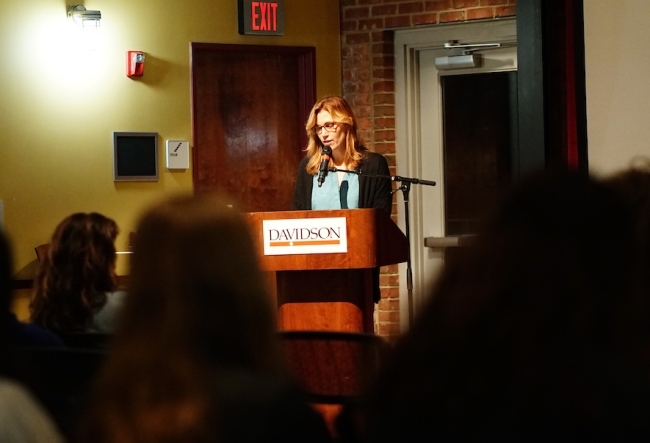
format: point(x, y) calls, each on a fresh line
point(305, 236)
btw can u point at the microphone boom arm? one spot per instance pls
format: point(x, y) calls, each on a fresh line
point(395, 178)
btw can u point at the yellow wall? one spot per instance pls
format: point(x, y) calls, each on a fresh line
point(60, 104)
point(617, 64)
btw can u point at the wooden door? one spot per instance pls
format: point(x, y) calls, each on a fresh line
point(249, 108)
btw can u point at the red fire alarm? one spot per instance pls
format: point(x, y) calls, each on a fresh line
point(134, 63)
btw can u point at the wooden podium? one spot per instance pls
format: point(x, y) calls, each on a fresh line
point(331, 291)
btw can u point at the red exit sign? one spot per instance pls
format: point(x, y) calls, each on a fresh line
point(261, 18)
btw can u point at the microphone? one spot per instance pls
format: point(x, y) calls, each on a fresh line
point(326, 154)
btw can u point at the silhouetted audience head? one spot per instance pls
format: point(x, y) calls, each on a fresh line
point(533, 335)
point(196, 357)
point(22, 418)
point(196, 272)
point(634, 185)
point(14, 333)
point(76, 274)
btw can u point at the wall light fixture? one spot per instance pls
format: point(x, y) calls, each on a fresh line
point(89, 21)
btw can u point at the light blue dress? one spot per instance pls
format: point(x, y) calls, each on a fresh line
point(331, 195)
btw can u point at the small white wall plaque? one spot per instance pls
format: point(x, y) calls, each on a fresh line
point(178, 154)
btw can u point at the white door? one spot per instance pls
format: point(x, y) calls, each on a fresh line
point(424, 94)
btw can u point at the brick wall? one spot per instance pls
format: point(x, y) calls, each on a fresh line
point(368, 83)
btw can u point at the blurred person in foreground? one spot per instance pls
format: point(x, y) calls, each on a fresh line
point(22, 418)
point(633, 184)
point(196, 357)
point(535, 335)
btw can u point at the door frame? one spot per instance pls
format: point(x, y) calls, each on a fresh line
point(414, 51)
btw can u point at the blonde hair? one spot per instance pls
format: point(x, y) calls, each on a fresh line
point(343, 116)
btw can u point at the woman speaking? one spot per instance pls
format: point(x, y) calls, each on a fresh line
point(334, 143)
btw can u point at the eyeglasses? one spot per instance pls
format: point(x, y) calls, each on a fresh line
point(328, 127)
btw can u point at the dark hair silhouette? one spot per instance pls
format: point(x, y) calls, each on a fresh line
point(633, 184)
point(196, 357)
point(535, 334)
point(76, 273)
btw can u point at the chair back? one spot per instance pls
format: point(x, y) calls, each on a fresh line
point(333, 367)
point(41, 251)
point(131, 240)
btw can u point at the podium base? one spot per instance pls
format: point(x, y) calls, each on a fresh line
point(330, 300)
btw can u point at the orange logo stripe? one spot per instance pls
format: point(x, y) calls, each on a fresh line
point(305, 243)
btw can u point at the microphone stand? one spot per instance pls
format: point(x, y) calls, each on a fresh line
point(405, 187)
